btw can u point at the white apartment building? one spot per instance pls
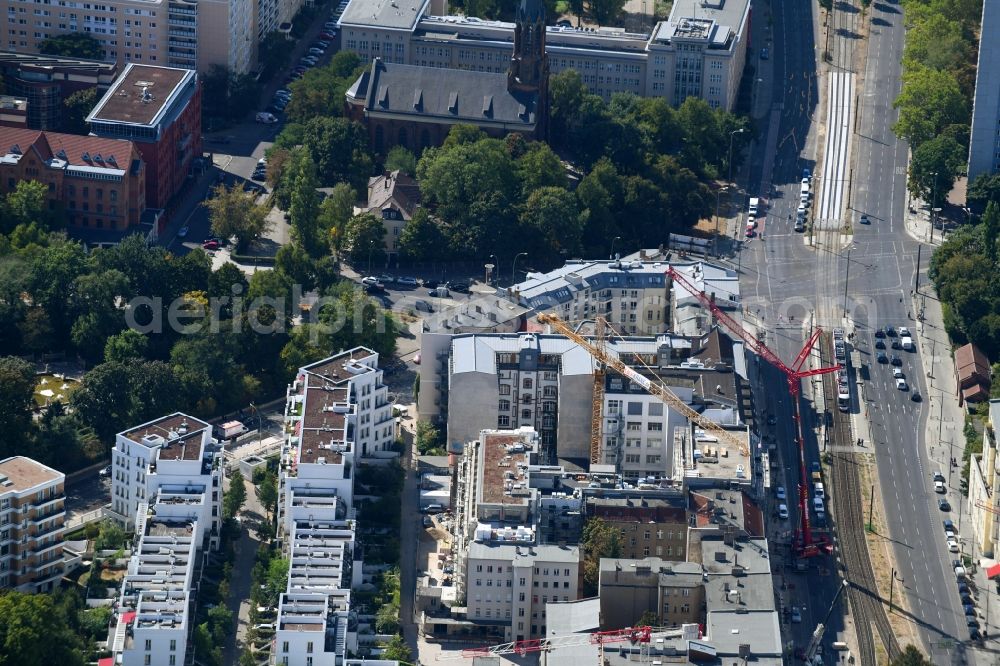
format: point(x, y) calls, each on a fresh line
point(169, 463)
point(334, 408)
point(32, 512)
point(176, 33)
point(984, 140)
point(508, 585)
point(699, 51)
point(152, 617)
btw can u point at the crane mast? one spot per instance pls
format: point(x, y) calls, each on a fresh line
point(805, 544)
point(657, 389)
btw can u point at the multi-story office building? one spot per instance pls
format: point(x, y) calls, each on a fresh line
point(152, 618)
point(546, 382)
point(176, 33)
point(170, 462)
point(100, 183)
point(648, 527)
point(46, 81)
point(159, 109)
point(699, 51)
point(984, 141)
point(32, 511)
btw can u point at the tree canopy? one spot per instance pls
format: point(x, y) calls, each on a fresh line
point(72, 45)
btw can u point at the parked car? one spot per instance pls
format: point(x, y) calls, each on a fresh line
point(210, 245)
point(440, 292)
point(943, 505)
point(904, 332)
point(879, 344)
point(864, 219)
point(321, 44)
point(783, 511)
point(316, 51)
point(939, 487)
point(796, 615)
point(895, 360)
point(266, 118)
point(458, 286)
point(423, 305)
point(897, 373)
point(430, 284)
point(182, 232)
point(106, 471)
point(952, 546)
point(882, 358)
point(879, 332)
point(432, 509)
point(779, 492)
point(327, 35)
point(428, 521)
point(938, 476)
point(948, 525)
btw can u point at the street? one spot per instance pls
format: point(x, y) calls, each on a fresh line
point(792, 281)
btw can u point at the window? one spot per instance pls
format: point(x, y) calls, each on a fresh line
point(173, 644)
point(504, 388)
point(520, 612)
point(309, 647)
point(149, 644)
point(528, 383)
point(503, 421)
point(525, 413)
point(654, 427)
point(147, 660)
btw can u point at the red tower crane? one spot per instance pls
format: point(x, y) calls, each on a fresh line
point(805, 544)
point(632, 635)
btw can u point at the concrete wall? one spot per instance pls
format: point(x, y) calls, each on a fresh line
point(473, 406)
point(573, 427)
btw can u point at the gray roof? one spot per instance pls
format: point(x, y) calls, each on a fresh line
point(524, 555)
point(450, 95)
point(400, 14)
point(573, 617)
point(716, 22)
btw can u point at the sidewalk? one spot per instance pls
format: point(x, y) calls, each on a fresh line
point(944, 436)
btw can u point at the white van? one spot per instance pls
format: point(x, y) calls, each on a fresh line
point(804, 189)
point(754, 206)
point(906, 342)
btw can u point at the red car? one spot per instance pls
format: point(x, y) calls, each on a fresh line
point(210, 245)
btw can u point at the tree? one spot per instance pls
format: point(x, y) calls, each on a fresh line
point(600, 539)
point(934, 167)
point(35, 631)
point(398, 650)
point(929, 101)
point(387, 618)
point(364, 236)
point(72, 45)
point(75, 110)
point(540, 167)
point(233, 212)
point(334, 213)
point(429, 440)
point(110, 536)
point(647, 619)
point(274, 52)
point(320, 92)
point(304, 208)
point(911, 656)
point(401, 159)
point(126, 346)
point(234, 498)
point(605, 12)
point(554, 214)
point(984, 189)
point(422, 238)
point(356, 320)
point(339, 147)
point(567, 92)
point(28, 203)
point(17, 390)
point(267, 493)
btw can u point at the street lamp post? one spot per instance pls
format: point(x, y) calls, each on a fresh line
point(513, 267)
point(613, 241)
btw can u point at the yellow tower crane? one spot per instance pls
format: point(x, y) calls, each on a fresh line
point(657, 389)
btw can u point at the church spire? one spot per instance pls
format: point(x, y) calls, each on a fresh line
point(529, 66)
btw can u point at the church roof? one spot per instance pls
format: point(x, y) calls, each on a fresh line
point(455, 95)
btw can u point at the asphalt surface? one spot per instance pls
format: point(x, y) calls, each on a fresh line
point(792, 281)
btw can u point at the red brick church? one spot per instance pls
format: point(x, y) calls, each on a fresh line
point(416, 106)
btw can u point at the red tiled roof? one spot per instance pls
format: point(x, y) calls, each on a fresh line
point(48, 144)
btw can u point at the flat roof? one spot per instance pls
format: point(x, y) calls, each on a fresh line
point(23, 473)
point(164, 427)
point(399, 14)
point(503, 469)
point(141, 95)
point(342, 367)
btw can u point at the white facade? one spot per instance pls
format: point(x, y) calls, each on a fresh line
point(984, 141)
point(168, 463)
point(32, 512)
point(699, 51)
point(984, 486)
point(153, 610)
point(508, 585)
point(337, 411)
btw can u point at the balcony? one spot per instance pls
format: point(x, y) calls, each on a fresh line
point(48, 516)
